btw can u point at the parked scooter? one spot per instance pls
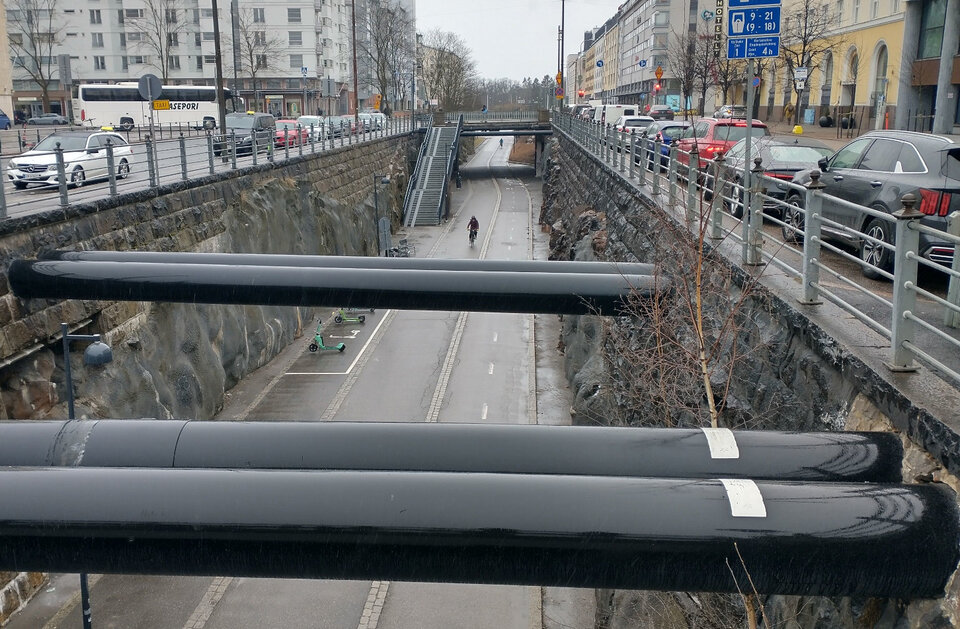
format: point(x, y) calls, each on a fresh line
point(340, 316)
point(318, 344)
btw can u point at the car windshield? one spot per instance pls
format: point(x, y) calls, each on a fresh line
point(287, 126)
point(672, 132)
point(951, 164)
point(240, 123)
point(733, 133)
point(67, 143)
point(638, 123)
point(798, 154)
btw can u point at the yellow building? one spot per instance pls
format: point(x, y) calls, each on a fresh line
point(856, 77)
point(588, 78)
point(611, 59)
point(6, 67)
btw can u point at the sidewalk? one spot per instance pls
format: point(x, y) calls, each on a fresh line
point(832, 136)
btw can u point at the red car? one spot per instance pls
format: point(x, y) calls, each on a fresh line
point(715, 135)
point(290, 133)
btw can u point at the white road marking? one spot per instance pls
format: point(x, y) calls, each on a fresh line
point(490, 370)
point(353, 335)
point(200, 616)
point(483, 413)
point(389, 314)
point(495, 337)
point(372, 609)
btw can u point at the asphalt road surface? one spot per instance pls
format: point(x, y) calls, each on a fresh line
point(405, 366)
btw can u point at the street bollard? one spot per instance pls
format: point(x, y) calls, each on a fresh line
point(183, 157)
point(812, 213)
point(233, 150)
point(905, 267)
point(111, 168)
point(151, 164)
point(693, 175)
point(210, 152)
point(753, 217)
point(655, 173)
point(951, 319)
point(716, 201)
point(61, 176)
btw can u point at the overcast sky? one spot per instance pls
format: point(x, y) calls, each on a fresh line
point(514, 38)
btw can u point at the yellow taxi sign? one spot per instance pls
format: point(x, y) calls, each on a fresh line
point(161, 105)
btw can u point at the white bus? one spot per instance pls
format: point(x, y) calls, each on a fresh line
point(121, 106)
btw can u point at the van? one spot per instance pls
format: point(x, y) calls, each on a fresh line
point(608, 114)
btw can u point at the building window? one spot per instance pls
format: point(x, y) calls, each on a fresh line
point(931, 29)
point(96, 40)
point(259, 38)
point(173, 40)
point(296, 61)
point(199, 62)
point(208, 36)
point(16, 38)
point(134, 36)
point(293, 15)
point(173, 62)
point(171, 16)
point(839, 11)
point(197, 39)
point(894, 6)
point(99, 62)
point(874, 9)
point(133, 14)
point(95, 17)
point(210, 59)
point(206, 13)
point(856, 11)
point(296, 38)
point(123, 40)
point(258, 16)
point(261, 61)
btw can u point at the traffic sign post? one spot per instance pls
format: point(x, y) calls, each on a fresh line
point(559, 93)
point(759, 21)
point(659, 73)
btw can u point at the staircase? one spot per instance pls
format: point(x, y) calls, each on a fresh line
point(426, 195)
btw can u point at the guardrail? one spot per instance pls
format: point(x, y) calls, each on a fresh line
point(493, 116)
point(188, 155)
point(724, 209)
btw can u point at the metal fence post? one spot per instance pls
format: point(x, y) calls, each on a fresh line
point(286, 145)
point(716, 201)
point(313, 139)
point(253, 146)
point(272, 148)
point(905, 268)
point(644, 142)
point(3, 202)
point(111, 168)
point(183, 157)
point(210, 152)
point(812, 214)
point(622, 147)
point(951, 319)
point(633, 154)
point(233, 149)
point(151, 165)
point(672, 177)
point(61, 176)
point(655, 173)
point(753, 217)
point(693, 173)
point(300, 139)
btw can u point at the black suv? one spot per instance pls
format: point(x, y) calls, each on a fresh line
point(876, 170)
point(245, 127)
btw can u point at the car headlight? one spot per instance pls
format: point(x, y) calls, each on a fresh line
point(12, 164)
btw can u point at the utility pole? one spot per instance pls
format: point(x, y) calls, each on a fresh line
point(235, 30)
point(221, 103)
point(563, 9)
point(356, 91)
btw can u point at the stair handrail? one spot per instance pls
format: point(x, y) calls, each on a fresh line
point(411, 184)
point(454, 152)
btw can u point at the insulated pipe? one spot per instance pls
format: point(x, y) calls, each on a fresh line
point(477, 291)
point(812, 539)
point(573, 450)
point(353, 262)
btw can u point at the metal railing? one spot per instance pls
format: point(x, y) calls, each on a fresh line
point(124, 167)
point(921, 325)
point(412, 181)
point(493, 116)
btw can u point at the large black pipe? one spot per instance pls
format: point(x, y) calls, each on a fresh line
point(478, 291)
point(574, 450)
point(574, 531)
point(352, 262)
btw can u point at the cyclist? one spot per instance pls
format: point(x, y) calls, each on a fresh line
point(473, 227)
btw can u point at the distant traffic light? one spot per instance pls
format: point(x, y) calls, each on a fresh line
point(581, 93)
point(656, 88)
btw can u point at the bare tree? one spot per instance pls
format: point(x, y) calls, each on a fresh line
point(448, 68)
point(34, 33)
point(727, 73)
point(158, 32)
point(682, 62)
point(806, 28)
point(257, 48)
point(704, 64)
point(386, 50)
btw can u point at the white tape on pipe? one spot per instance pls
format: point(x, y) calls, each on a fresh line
point(722, 443)
point(745, 498)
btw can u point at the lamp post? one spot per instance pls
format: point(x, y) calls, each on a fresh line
point(98, 353)
point(382, 223)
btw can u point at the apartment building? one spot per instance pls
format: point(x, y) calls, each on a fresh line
point(288, 58)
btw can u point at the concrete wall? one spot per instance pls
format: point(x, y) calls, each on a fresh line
point(794, 374)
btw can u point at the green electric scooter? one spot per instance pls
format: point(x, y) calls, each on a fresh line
point(317, 344)
point(340, 316)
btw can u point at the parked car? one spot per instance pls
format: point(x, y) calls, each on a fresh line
point(587, 114)
point(84, 157)
point(290, 133)
point(633, 124)
point(782, 157)
point(666, 131)
point(244, 127)
point(48, 119)
point(731, 111)
point(317, 125)
point(661, 112)
point(876, 170)
point(373, 119)
point(5, 122)
point(712, 136)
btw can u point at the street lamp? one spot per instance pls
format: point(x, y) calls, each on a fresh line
point(383, 224)
point(97, 353)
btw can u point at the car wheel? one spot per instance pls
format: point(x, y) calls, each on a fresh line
point(77, 177)
point(19, 185)
point(792, 220)
point(123, 170)
point(126, 124)
point(874, 253)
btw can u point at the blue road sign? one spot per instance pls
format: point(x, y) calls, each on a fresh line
point(737, 48)
point(759, 47)
point(600, 63)
point(743, 4)
point(750, 22)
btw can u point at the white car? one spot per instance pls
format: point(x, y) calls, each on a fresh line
point(84, 158)
point(373, 119)
point(634, 124)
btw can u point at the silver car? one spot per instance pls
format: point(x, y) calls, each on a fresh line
point(84, 158)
